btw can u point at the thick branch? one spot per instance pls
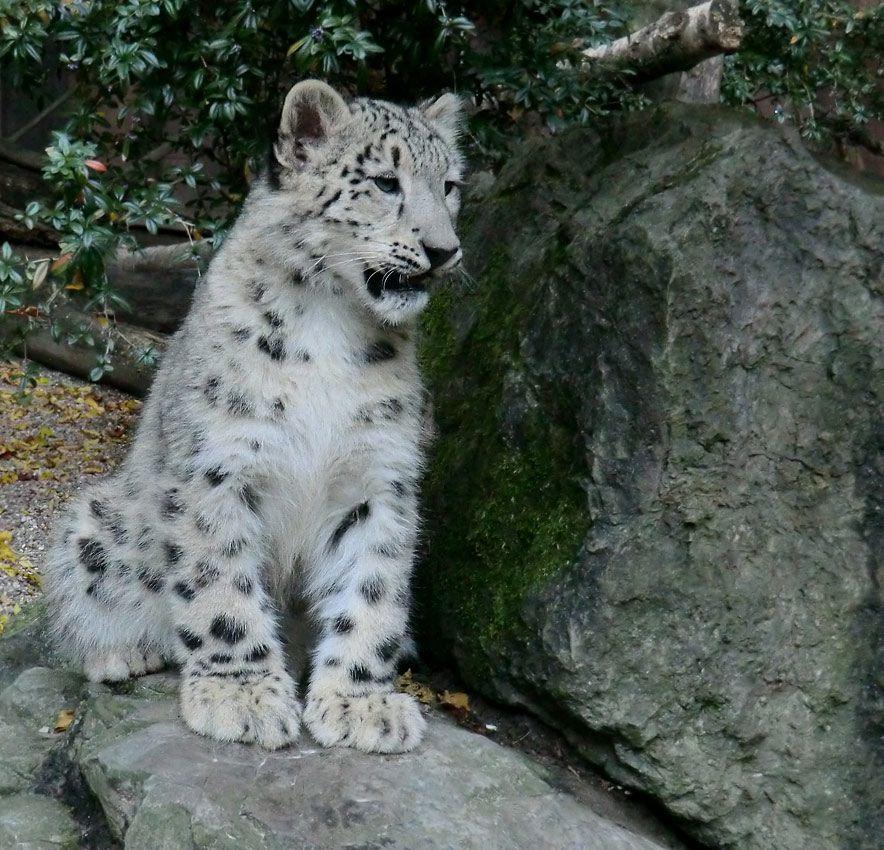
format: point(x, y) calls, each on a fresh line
point(675, 42)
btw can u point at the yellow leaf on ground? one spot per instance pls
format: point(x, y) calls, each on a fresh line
point(407, 685)
point(65, 718)
point(456, 700)
point(93, 470)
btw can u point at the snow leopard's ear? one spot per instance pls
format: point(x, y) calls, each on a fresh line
point(446, 115)
point(312, 112)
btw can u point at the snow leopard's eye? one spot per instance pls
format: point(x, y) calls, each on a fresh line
point(387, 183)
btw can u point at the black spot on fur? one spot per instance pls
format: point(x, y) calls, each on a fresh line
point(395, 153)
point(387, 650)
point(278, 407)
point(259, 653)
point(145, 537)
point(379, 351)
point(372, 590)
point(220, 658)
point(97, 508)
point(332, 662)
point(215, 476)
point(359, 513)
point(173, 553)
point(118, 530)
point(398, 488)
point(232, 548)
point(185, 591)
point(330, 201)
point(189, 639)
point(360, 673)
point(171, 505)
point(274, 348)
point(273, 319)
point(226, 628)
point(203, 524)
point(343, 625)
point(153, 582)
point(206, 573)
point(92, 555)
point(243, 584)
point(238, 405)
point(255, 445)
point(250, 498)
point(391, 409)
point(256, 290)
point(211, 389)
point(242, 334)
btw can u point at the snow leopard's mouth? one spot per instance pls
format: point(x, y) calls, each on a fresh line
point(380, 281)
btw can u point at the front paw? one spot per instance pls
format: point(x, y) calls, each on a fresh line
point(377, 723)
point(264, 710)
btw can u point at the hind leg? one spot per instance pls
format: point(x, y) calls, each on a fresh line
point(101, 614)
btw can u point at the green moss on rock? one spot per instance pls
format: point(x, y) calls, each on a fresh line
point(506, 508)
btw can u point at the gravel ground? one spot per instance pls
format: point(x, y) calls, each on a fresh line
point(68, 432)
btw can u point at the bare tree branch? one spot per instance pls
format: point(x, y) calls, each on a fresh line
point(14, 137)
point(675, 42)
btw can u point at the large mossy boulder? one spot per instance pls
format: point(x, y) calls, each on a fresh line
point(656, 506)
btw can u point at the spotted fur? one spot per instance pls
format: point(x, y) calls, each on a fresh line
point(280, 449)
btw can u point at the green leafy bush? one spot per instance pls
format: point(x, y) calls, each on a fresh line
point(817, 63)
point(171, 103)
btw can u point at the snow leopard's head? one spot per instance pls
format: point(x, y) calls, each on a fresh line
point(373, 190)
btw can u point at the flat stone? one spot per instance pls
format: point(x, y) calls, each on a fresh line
point(29, 822)
point(161, 786)
point(38, 695)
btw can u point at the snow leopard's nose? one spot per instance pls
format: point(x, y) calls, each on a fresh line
point(438, 256)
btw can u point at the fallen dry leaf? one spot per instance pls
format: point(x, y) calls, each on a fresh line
point(65, 718)
point(423, 693)
point(455, 700)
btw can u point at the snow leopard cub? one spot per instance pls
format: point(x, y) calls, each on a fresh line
point(280, 449)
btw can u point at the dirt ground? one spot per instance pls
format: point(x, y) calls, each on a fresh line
point(53, 440)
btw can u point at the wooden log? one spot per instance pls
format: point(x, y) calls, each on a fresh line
point(129, 373)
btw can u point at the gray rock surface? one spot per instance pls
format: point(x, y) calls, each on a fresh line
point(657, 501)
point(132, 776)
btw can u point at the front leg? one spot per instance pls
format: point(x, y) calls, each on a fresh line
point(234, 683)
point(360, 587)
